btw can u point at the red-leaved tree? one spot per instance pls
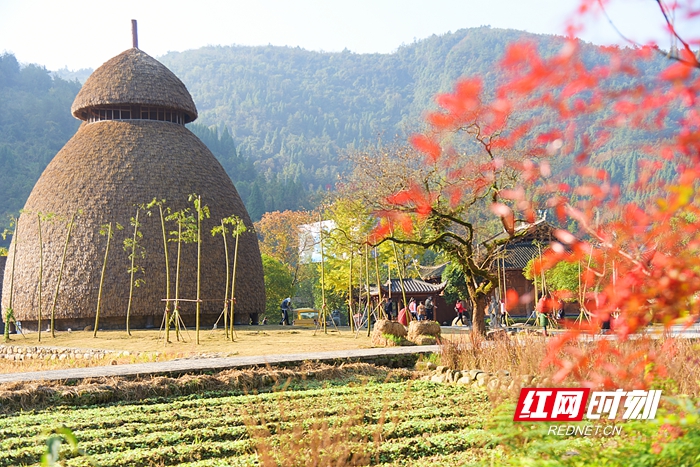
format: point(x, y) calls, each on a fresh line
point(643, 251)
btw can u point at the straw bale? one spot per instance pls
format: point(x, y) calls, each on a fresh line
point(105, 170)
point(384, 327)
point(133, 77)
point(422, 328)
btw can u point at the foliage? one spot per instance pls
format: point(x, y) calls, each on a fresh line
point(456, 288)
point(289, 111)
point(34, 126)
point(278, 285)
point(562, 277)
point(645, 251)
point(280, 238)
point(260, 191)
point(3, 251)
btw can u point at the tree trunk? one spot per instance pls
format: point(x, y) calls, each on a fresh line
point(480, 305)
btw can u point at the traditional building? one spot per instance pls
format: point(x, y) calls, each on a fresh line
point(420, 291)
point(132, 147)
point(512, 256)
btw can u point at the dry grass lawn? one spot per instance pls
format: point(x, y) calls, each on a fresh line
point(149, 345)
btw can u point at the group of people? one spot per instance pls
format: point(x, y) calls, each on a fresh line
point(419, 311)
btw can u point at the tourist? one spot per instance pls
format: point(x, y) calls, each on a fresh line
point(429, 309)
point(412, 308)
point(494, 312)
point(402, 318)
point(285, 306)
point(388, 308)
point(459, 309)
point(421, 312)
point(543, 307)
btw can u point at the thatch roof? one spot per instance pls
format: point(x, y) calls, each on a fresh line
point(134, 77)
point(104, 170)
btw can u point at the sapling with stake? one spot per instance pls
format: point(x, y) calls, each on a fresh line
point(239, 228)
point(202, 213)
point(223, 230)
point(186, 226)
point(136, 249)
point(164, 212)
point(105, 230)
point(9, 311)
point(60, 272)
point(40, 217)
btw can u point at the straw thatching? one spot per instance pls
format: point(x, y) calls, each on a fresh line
point(104, 171)
point(133, 77)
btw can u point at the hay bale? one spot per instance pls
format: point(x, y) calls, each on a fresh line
point(423, 328)
point(394, 328)
point(388, 334)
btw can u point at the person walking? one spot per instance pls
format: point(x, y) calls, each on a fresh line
point(285, 307)
point(459, 309)
point(402, 316)
point(389, 309)
point(543, 308)
point(413, 308)
point(429, 309)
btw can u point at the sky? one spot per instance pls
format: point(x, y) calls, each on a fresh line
point(77, 34)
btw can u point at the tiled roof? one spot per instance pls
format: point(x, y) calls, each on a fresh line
point(517, 255)
point(413, 286)
point(432, 272)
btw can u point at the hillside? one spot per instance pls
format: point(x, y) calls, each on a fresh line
point(276, 117)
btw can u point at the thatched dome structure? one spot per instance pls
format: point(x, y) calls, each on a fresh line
point(132, 148)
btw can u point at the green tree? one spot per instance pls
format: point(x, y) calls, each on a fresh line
point(278, 283)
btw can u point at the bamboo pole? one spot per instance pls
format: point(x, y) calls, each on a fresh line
point(323, 276)
point(228, 278)
point(369, 296)
point(167, 274)
point(60, 275)
point(233, 284)
point(41, 271)
point(10, 315)
point(379, 281)
point(102, 280)
point(132, 271)
point(199, 264)
point(351, 320)
point(176, 308)
point(401, 276)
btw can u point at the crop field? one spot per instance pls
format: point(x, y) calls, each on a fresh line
point(357, 421)
point(371, 421)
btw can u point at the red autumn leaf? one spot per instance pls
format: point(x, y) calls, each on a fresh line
point(512, 299)
point(427, 146)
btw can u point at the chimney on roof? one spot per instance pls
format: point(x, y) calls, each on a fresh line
point(134, 34)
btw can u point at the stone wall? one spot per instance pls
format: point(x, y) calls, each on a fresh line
point(20, 352)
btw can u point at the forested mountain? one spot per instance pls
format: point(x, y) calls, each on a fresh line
point(35, 123)
point(276, 117)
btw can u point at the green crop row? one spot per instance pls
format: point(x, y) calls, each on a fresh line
point(204, 430)
point(393, 424)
